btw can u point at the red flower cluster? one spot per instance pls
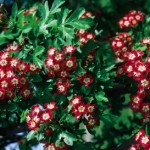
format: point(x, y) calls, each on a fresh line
point(79, 109)
point(121, 44)
point(62, 86)
point(52, 146)
point(137, 67)
point(131, 19)
point(60, 64)
point(84, 36)
point(40, 115)
point(13, 75)
point(142, 139)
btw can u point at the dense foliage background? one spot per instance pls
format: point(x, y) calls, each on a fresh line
point(29, 35)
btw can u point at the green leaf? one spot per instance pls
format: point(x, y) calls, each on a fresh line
point(109, 68)
point(85, 89)
point(40, 137)
point(84, 23)
point(42, 12)
point(80, 70)
point(38, 61)
point(2, 39)
point(68, 33)
point(26, 28)
point(52, 23)
point(32, 134)
point(100, 96)
point(76, 15)
point(39, 50)
point(109, 118)
point(23, 115)
point(12, 107)
point(20, 20)
point(68, 137)
point(55, 6)
point(46, 9)
point(14, 10)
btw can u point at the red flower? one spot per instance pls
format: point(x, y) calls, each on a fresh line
point(4, 62)
point(22, 66)
point(36, 109)
point(146, 119)
point(79, 109)
point(81, 32)
point(145, 108)
point(15, 81)
point(75, 100)
point(29, 11)
point(51, 73)
point(90, 57)
point(59, 56)
point(144, 141)
point(46, 116)
point(67, 83)
point(4, 84)
point(14, 62)
point(48, 132)
point(33, 68)
point(9, 73)
point(61, 89)
point(2, 73)
point(87, 14)
point(10, 94)
point(134, 147)
point(91, 122)
point(83, 39)
point(56, 67)
point(139, 134)
point(28, 117)
point(23, 80)
point(63, 74)
point(36, 119)
point(69, 49)
point(136, 100)
point(4, 55)
point(49, 62)
point(32, 125)
point(2, 94)
point(26, 92)
point(70, 63)
point(144, 84)
point(90, 36)
point(85, 79)
point(145, 41)
point(91, 108)
point(50, 146)
point(51, 51)
point(14, 47)
point(50, 106)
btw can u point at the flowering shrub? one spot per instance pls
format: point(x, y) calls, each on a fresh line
point(64, 80)
point(135, 64)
